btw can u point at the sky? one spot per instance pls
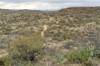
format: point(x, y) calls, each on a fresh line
point(46, 4)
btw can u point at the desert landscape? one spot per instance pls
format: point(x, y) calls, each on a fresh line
point(66, 37)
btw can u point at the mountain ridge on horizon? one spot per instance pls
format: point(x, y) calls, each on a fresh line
point(51, 10)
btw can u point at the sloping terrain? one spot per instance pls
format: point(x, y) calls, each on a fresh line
point(64, 30)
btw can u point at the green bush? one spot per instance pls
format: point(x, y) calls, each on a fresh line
point(80, 56)
point(26, 48)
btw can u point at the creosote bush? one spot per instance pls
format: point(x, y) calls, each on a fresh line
point(26, 48)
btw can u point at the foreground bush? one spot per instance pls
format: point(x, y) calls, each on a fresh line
point(26, 48)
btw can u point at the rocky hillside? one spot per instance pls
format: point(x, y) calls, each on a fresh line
point(59, 22)
point(64, 30)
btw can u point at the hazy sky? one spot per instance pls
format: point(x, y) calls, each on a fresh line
point(46, 4)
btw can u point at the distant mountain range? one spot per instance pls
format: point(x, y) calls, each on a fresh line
point(72, 9)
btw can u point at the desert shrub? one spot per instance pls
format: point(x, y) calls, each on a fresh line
point(81, 56)
point(23, 63)
point(97, 53)
point(5, 61)
point(26, 48)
